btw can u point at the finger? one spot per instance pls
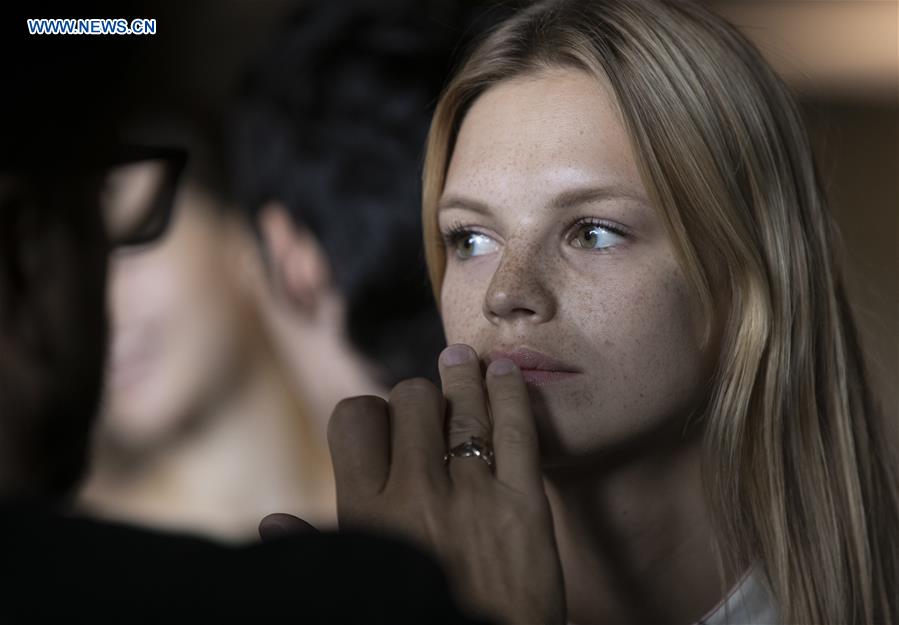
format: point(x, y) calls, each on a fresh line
point(515, 443)
point(416, 426)
point(467, 416)
point(359, 438)
point(280, 525)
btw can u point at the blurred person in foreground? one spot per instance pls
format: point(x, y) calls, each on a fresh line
point(62, 568)
point(200, 428)
point(56, 566)
point(325, 150)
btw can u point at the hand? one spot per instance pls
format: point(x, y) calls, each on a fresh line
point(492, 531)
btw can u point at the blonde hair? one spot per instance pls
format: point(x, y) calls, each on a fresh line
point(797, 473)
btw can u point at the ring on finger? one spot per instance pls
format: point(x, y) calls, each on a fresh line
point(474, 447)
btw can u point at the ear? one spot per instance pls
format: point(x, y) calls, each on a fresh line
point(297, 264)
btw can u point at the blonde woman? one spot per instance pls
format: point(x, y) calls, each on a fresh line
point(624, 223)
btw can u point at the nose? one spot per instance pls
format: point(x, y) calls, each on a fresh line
point(518, 292)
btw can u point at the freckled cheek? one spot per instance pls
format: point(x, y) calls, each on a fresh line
point(655, 334)
point(672, 313)
point(461, 306)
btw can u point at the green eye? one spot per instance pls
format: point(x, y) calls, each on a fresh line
point(469, 244)
point(595, 237)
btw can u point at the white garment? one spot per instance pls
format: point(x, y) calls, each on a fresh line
point(749, 603)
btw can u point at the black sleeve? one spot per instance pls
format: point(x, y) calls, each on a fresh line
point(56, 569)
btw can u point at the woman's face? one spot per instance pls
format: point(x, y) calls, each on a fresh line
point(554, 247)
point(181, 321)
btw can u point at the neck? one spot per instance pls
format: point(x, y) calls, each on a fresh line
point(256, 455)
point(635, 540)
point(324, 366)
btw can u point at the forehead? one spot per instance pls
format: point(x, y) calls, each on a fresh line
point(540, 134)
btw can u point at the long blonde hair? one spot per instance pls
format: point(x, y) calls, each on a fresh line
point(798, 474)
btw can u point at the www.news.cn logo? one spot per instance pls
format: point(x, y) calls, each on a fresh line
point(96, 26)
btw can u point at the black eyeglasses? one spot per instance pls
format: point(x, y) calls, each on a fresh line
point(139, 192)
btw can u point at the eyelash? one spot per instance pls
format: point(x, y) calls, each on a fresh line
point(458, 231)
point(599, 223)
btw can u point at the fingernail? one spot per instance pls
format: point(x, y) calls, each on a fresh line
point(456, 355)
point(503, 366)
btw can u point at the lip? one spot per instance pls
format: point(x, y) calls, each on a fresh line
point(537, 368)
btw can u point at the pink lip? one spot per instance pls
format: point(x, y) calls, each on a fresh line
point(537, 368)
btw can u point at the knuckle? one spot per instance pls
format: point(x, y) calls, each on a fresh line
point(505, 397)
point(520, 519)
point(357, 406)
point(509, 519)
point(414, 389)
point(468, 385)
point(514, 435)
point(350, 409)
point(462, 428)
point(519, 511)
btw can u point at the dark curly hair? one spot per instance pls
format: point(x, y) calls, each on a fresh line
point(331, 122)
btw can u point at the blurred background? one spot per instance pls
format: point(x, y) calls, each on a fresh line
point(161, 444)
point(842, 59)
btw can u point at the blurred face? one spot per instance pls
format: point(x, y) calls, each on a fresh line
point(180, 316)
point(556, 258)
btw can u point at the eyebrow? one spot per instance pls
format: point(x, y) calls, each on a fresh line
point(564, 200)
point(576, 197)
point(458, 201)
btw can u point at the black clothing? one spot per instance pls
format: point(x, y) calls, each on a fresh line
point(64, 570)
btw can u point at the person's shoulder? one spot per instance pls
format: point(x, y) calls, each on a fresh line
point(59, 566)
point(355, 574)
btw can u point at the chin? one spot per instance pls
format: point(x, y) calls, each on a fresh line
point(132, 423)
point(590, 447)
point(573, 436)
point(559, 446)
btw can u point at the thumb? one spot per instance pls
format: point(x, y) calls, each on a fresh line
point(280, 525)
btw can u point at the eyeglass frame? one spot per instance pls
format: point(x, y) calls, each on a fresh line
point(160, 216)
